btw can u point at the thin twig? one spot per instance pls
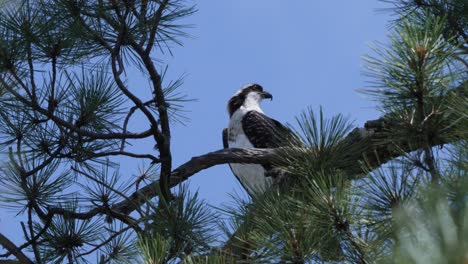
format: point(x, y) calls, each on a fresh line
point(35, 248)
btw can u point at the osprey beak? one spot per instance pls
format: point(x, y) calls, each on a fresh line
point(267, 95)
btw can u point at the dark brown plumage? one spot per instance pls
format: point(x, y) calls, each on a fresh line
point(264, 132)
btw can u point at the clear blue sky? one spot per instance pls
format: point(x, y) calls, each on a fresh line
point(306, 53)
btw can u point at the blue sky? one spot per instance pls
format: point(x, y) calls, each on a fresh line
point(306, 53)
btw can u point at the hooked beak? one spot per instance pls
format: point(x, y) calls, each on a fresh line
point(267, 95)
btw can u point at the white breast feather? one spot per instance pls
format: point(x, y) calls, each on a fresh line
point(252, 176)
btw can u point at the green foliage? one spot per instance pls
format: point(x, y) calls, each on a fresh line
point(384, 191)
point(102, 186)
point(182, 227)
point(154, 249)
point(322, 146)
point(434, 226)
point(94, 102)
point(278, 231)
point(44, 187)
point(415, 65)
point(66, 239)
point(415, 80)
point(311, 220)
point(431, 235)
point(219, 258)
point(454, 10)
point(122, 248)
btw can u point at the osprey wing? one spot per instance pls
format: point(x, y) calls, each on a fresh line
point(265, 132)
point(225, 138)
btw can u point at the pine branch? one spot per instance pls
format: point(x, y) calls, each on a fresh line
point(11, 247)
point(163, 142)
point(193, 166)
point(91, 155)
point(162, 137)
point(61, 122)
point(364, 138)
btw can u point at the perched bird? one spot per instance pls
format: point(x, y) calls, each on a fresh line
point(249, 127)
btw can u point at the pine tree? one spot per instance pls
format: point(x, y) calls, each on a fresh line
point(393, 191)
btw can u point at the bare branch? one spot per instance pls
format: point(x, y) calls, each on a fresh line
point(163, 141)
point(11, 247)
point(194, 165)
point(127, 119)
point(363, 138)
point(90, 155)
point(10, 261)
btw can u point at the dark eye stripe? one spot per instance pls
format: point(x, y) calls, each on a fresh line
point(256, 87)
point(237, 101)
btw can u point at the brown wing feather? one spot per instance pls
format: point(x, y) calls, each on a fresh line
point(225, 138)
point(265, 132)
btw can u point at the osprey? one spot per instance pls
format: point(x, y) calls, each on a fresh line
point(249, 127)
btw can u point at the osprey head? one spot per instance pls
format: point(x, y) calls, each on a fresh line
point(248, 96)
